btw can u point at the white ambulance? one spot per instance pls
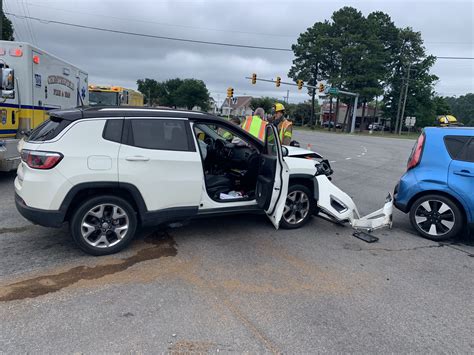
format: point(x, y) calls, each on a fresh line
point(32, 82)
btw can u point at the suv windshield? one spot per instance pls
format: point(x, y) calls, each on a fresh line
point(103, 98)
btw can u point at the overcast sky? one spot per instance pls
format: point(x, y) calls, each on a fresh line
point(447, 28)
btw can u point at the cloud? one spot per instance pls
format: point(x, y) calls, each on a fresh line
point(446, 26)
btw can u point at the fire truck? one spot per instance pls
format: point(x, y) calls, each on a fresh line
point(33, 82)
point(114, 96)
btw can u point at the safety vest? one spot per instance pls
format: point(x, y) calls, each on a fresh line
point(285, 129)
point(255, 126)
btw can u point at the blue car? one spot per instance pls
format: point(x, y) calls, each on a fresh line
point(438, 187)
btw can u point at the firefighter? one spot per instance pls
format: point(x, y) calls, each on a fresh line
point(255, 125)
point(285, 126)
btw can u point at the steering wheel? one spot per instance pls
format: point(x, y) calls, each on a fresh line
point(222, 149)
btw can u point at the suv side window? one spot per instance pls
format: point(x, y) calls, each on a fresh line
point(454, 145)
point(113, 130)
point(468, 152)
point(160, 134)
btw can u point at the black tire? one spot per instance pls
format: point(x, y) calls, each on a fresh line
point(441, 221)
point(301, 221)
point(82, 214)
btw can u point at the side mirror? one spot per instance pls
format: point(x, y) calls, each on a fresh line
point(285, 151)
point(7, 83)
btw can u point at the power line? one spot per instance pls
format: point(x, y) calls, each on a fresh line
point(224, 44)
point(162, 23)
point(149, 35)
point(28, 25)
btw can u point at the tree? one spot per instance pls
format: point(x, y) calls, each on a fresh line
point(191, 93)
point(350, 52)
point(7, 29)
point(264, 102)
point(462, 108)
point(175, 93)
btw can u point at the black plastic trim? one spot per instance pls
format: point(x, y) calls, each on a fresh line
point(38, 216)
point(229, 210)
point(169, 215)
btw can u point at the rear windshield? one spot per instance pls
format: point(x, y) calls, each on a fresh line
point(47, 130)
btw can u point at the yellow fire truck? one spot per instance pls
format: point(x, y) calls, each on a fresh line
point(114, 96)
point(32, 82)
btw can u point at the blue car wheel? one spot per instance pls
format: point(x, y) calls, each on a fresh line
point(436, 217)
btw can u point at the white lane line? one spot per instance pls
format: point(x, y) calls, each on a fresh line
point(348, 158)
point(363, 154)
point(332, 161)
point(358, 156)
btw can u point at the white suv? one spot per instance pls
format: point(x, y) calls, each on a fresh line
point(107, 171)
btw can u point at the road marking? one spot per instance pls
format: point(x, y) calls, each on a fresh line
point(332, 161)
point(358, 156)
point(348, 158)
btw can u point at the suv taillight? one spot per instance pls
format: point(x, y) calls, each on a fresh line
point(415, 156)
point(40, 160)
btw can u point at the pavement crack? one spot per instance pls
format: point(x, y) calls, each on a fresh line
point(402, 249)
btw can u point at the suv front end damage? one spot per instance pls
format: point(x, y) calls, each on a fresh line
point(339, 207)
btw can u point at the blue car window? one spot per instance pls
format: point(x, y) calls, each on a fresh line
point(455, 144)
point(468, 152)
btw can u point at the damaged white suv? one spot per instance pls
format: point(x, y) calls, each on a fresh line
point(108, 171)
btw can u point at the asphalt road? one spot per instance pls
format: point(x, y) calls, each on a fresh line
point(236, 284)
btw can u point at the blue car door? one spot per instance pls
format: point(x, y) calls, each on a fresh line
point(461, 175)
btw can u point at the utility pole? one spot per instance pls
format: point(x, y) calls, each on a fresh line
point(287, 95)
point(404, 100)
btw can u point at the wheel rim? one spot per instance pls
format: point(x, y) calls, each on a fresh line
point(104, 225)
point(435, 218)
point(296, 207)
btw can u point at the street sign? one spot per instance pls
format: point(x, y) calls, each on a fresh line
point(331, 91)
point(410, 121)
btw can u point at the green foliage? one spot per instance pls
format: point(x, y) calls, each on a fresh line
point(264, 102)
point(370, 56)
point(175, 93)
point(462, 108)
point(7, 29)
point(300, 113)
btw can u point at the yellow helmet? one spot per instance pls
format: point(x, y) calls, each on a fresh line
point(279, 107)
point(446, 120)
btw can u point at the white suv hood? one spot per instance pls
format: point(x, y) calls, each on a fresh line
point(296, 152)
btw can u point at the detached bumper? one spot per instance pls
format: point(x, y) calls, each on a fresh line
point(377, 219)
point(43, 218)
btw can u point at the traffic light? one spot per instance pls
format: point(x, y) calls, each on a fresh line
point(321, 87)
point(278, 82)
point(230, 92)
point(300, 84)
point(254, 78)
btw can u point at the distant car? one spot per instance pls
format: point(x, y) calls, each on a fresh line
point(326, 124)
point(438, 188)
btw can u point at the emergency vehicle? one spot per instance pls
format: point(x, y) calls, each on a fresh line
point(114, 96)
point(32, 82)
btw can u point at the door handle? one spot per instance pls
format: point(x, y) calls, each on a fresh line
point(137, 158)
point(464, 172)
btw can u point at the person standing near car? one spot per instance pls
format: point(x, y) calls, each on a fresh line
point(255, 125)
point(284, 126)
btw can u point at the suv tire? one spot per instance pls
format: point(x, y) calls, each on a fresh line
point(103, 225)
point(436, 217)
point(299, 207)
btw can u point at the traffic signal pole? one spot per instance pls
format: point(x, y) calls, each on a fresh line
point(314, 87)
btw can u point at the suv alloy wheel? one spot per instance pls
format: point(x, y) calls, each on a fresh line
point(103, 225)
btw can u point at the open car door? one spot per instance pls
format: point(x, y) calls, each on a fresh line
point(273, 177)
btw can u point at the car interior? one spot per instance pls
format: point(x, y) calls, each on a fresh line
point(230, 163)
